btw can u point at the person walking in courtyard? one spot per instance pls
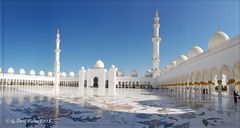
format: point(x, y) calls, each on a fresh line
point(235, 95)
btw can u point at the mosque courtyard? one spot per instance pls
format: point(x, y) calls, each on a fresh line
point(38, 107)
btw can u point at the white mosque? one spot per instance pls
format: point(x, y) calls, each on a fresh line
point(214, 70)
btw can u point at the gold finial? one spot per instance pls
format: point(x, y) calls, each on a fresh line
point(156, 13)
point(218, 28)
point(58, 31)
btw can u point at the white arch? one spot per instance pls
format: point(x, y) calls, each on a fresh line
point(193, 77)
point(198, 77)
point(205, 76)
point(236, 72)
point(10, 70)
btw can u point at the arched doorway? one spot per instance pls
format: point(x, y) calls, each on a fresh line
point(106, 84)
point(85, 83)
point(95, 82)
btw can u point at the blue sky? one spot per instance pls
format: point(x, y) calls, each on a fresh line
point(116, 31)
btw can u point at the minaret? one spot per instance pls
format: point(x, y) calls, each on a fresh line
point(57, 62)
point(156, 40)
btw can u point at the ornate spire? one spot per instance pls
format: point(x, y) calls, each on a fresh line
point(57, 62)
point(58, 36)
point(156, 13)
point(156, 40)
point(58, 31)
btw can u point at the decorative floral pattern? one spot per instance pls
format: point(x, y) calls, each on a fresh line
point(138, 108)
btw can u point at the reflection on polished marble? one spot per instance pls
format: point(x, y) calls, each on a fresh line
point(38, 107)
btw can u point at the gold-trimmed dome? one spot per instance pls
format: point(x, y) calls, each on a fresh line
point(195, 51)
point(217, 39)
point(99, 64)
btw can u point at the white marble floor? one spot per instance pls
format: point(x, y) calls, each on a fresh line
point(39, 107)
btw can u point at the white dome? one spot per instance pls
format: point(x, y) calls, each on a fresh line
point(71, 74)
point(182, 59)
point(50, 74)
point(173, 64)
point(194, 52)
point(41, 73)
point(134, 73)
point(167, 67)
point(148, 73)
point(10, 71)
point(217, 39)
point(22, 71)
point(99, 64)
point(82, 68)
point(63, 74)
point(120, 72)
point(32, 72)
point(112, 66)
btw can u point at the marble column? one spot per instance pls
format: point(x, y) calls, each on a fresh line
point(237, 86)
point(186, 86)
point(112, 80)
point(201, 88)
point(196, 87)
point(190, 89)
point(81, 79)
point(231, 86)
point(219, 81)
point(210, 87)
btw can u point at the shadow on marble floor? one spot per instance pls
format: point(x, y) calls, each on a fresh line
point(21, 109)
